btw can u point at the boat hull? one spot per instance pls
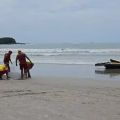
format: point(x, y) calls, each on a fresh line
point(112, 66)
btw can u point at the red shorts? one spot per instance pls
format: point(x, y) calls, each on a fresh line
point(23, 67)
point(3, 72)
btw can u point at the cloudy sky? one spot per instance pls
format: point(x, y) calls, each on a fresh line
point(60, 20)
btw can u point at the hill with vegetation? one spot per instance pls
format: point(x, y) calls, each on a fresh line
point(7, 40)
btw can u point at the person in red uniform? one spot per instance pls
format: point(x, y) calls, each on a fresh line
point(7, 59)
point(21, 57)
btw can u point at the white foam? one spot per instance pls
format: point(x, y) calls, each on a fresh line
point(64, 56)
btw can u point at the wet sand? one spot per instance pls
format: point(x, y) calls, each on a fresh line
point(59, 98)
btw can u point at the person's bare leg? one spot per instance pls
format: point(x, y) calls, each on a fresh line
point(21, 74)
point(25, 73)
point(7, 75)
point(0, 76)
point(8, 67)
point(29, 76)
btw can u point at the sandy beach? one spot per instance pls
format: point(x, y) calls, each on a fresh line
point(55, 98)
point(70, 50)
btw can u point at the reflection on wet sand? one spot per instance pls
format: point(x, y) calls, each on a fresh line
point(111, 72)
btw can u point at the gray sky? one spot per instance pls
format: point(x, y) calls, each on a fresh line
point(60, 20)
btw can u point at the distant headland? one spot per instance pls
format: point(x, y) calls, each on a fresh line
point(8, 40)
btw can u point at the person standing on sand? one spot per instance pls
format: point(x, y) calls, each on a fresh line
point(23, 63)
point(7, 59)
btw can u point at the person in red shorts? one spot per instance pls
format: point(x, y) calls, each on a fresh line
point(21, 57)
point(7, 59)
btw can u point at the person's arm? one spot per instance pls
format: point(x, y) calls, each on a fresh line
point(10, 60)
point(28, 58)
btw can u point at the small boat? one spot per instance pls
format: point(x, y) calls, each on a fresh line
point(113, 64)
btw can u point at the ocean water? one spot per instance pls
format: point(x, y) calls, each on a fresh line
point(69, 60)
point(87, 53)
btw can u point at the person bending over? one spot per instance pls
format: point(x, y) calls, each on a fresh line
point(3, 70)
point(21, 57)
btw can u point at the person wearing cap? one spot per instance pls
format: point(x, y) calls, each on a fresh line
point(21, 57)
point(7, 59)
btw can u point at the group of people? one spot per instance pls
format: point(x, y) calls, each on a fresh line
point(24, 65)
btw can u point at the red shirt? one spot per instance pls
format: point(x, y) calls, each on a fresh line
point(6, 58)
point(21, 58)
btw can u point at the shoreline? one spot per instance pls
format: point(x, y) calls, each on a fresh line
point(75, 71)
point(70, 71)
